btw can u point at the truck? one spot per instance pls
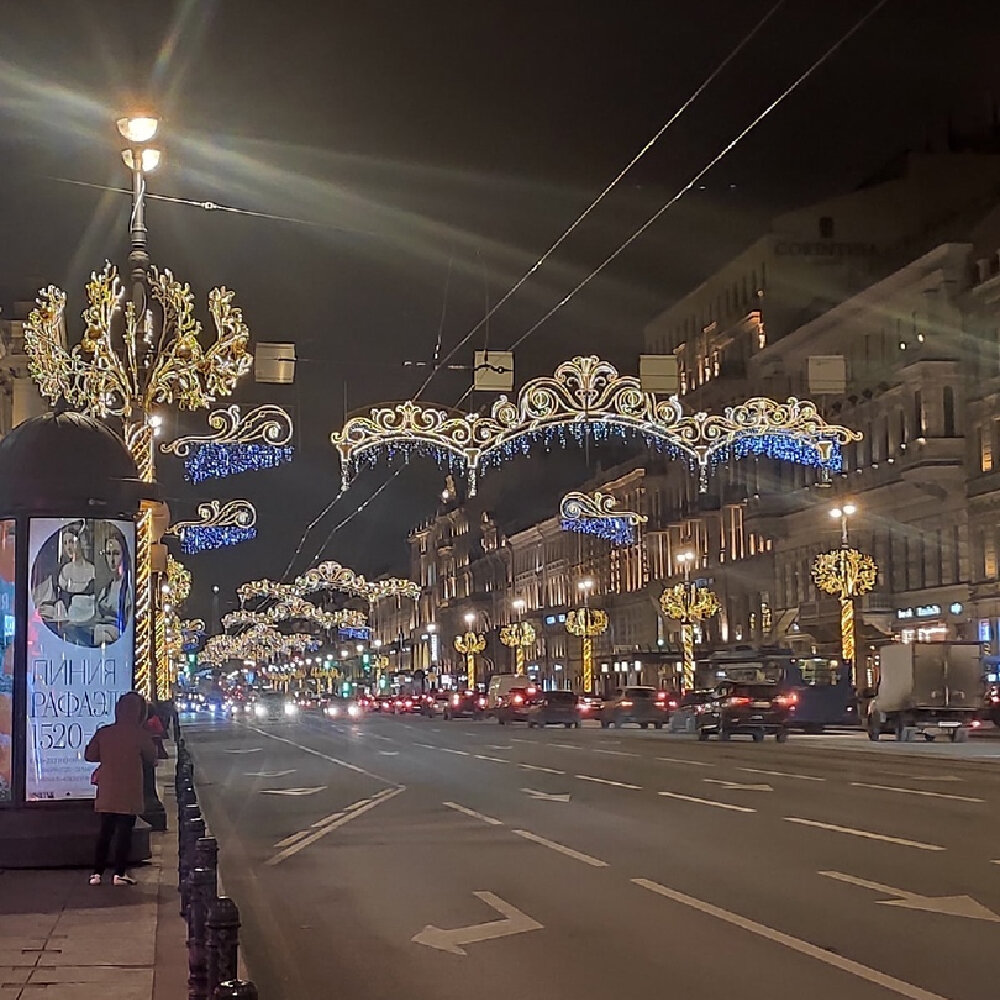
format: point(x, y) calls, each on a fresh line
point(927, 688)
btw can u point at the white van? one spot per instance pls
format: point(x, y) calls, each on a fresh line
point(500, 687)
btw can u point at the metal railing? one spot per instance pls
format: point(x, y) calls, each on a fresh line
point(213, 921)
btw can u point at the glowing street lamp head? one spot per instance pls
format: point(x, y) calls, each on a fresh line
point(849, 509)
point(585, 585)
point(519, 604)
point(469, 618)
point(685, 557)
point(431, 627)
point(148, 161)
point(138, 129)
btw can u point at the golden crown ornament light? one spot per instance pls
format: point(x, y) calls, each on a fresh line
point(688, 604)
point(470, 644)
point(587, 623)
point(141, 350)
point(518, 636)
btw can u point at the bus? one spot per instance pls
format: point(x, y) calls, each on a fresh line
point(826, 696)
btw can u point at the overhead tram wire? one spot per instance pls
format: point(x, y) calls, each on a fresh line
point(607, 190)
point(860, 23)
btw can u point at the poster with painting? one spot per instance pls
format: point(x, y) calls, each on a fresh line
point(81, 628)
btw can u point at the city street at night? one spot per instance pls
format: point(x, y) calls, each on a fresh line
point(428, 859)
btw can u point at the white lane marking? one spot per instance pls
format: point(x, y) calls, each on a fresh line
point(293, 791)
point(613, 753)
point(496, 746)
point(867, 834)
point(952, 906)
point(470, 734)
point(517, 739)
point(684, 760)
point(739, 786)
point(305, 842)
point(608, 781)
point(325, 756)
point(707, 802)
point(426, 746)
point(925, 777)
point(435, 730)
point(460, 753)
point(544, 770)
point(496, 760)
point(780, 774)
point(292, 838)
point(546, 796)
point(897, 986)
point(562, 849)
point(269, 774)
point(565, 746)
point(472, 812)
point(248, 750)
point(389, 753)
point(916, 791)
point(377, 736)
point(513, 922)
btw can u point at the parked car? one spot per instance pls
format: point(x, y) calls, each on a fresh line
point(513, 706)
point(554, 708)
point(642, 706)
point(756, 709)
point(465, 705)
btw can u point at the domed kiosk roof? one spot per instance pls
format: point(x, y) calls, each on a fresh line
point(61, 460)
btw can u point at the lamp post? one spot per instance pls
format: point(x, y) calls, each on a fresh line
point(518, 635)
point(128, 364)
point(845, 573)
point(688, 603)
point(587, 622)
point(470, 644)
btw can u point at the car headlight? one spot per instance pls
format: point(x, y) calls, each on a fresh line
point(353, 711)
point(291, 709)
point(260, 711)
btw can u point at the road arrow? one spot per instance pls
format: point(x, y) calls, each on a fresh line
point(952, 906)
point(738, 786)
point(292, 791)
point(513, 922)
point(545, 796)
point(269, 774)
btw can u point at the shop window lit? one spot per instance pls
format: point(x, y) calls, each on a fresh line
point(985, 449)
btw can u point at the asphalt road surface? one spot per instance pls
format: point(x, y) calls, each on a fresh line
point(419, 859)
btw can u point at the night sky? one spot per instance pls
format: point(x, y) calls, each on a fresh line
point(440, 145)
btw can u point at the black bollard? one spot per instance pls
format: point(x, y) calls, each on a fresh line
point(236, 989)
point(194, 829)
point(201, 889)
point(222, 931)
point(188, 811)
point(206, 855)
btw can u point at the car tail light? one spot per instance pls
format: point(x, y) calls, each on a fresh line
point(787, 699)
point(454, 699)
point(408, 703)
point(738, 700)
point(482, 703)
point(532, 690)
point(672, 704)
point(995, 698)
point(518, 699)
point(976, 723)
point(626, 704)
point(584, 707)
point(661, 695)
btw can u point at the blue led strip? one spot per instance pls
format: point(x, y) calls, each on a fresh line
point(217, 461)
point(354, 632)
point(203, 539)
point(617, 530)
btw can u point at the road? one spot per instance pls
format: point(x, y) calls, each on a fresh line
point(428, 860)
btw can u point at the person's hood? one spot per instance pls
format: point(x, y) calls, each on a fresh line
point(130, 708)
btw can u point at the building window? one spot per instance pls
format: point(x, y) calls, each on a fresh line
point(989, 556)
point(918, 414)
point(826, 227)
point(949, 411)
point(986, 448)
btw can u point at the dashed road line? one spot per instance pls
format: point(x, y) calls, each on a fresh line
point(562, 849)
point(916, 791)
point(780, 774)
point(465, 810)
point(538, 767)
point(613, 753)
point(866, 834)
point(707, 802)
point(426, 746)
point(325, 756)
point(608, 781)
point(684, 760)
point(459, 753)
point(496, 760)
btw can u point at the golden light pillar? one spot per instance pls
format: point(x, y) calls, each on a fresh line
point(587, 622)
point(128, 364)
point(518, 635)
point(470, 645)
point(688, 604)
point(845, 573)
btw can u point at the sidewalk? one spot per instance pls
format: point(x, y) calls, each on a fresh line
point(62, 939)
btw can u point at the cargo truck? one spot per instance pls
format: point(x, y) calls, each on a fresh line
point(927, 688)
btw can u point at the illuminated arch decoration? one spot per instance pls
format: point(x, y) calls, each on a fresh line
point(219, 524)
point(331, 576)
point(259, 643)
point(587, 398)
point(596, 514)
point(247, 442)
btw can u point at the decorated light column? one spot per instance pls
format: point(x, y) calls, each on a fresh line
point(845, 573)
point(587, 622)
point(470, 644)
point(518, 635)
point(687, 603)
point(129, 363)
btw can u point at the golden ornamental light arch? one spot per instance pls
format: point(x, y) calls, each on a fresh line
point(588, 399)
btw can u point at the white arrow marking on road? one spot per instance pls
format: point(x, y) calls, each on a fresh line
point(250, 750)
point(269, 774)
point(545, 796)
point(952, 906)
point(292, 791)
point(513, 922)
point(738, 786)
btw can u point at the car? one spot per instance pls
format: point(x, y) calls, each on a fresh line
point(342, 708)
point(755, 709)
point(641, 706)
point(591, 706)
point(553, 708)
point(407, 704)
point(464, 705)
point(513, 706)
point(273, 706)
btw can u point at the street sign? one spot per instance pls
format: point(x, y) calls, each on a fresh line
point(494, 371)
point(659, 373)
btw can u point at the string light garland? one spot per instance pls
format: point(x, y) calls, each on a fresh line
point(241, 443)
point(587, 399)
point(596, 514)
point(219, 524)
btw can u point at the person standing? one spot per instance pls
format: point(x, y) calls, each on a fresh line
point(120, 750)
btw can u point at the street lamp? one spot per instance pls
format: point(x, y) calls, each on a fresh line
point(845, 573)
point(518, 635)
point(688, 603)
point(587, 622)
point(469, 645)
point(128, 364)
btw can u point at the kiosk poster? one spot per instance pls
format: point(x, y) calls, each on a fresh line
point(7, 565)
point(80, 646)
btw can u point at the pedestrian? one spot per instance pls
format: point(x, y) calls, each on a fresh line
point(119, 750)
